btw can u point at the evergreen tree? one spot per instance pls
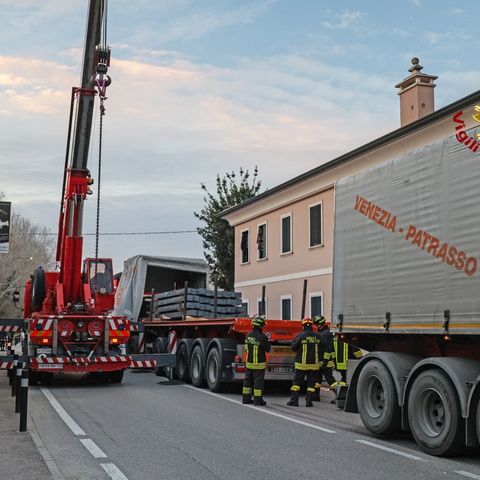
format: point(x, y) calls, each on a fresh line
point(217, 234)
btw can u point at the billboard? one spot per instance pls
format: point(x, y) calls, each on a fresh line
point(5, 208)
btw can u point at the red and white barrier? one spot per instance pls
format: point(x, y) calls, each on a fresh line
point(172, 342)
point(143, 364)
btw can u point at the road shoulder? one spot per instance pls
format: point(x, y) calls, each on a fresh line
point(19, 456)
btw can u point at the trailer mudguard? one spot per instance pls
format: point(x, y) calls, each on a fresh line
point(463, 372)
point(472, 436)
point(398, 364)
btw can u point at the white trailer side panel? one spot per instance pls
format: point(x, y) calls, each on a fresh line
point(387, 224)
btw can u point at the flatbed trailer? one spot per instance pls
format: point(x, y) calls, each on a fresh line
point(406, 288)
point(209, 352)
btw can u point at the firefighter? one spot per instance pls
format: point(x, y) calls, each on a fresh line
point(344, 352)
point(308, 346)
point(325, 368)
point(256, 348)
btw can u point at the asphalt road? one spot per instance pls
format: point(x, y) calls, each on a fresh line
point(149, 430)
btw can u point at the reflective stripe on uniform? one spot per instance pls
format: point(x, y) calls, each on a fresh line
point(246, 391)
point(327, 355)
point(341, 363)
point(295, 388)
point(255, 354)
point(331, 364)
point(306, 366)
point(257, 392)
point(311, 390)
point(317, 385)
point(256, 366)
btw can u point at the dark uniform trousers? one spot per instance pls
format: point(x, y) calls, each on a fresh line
point(254, 379)
point(308, 346)
point(300, 375)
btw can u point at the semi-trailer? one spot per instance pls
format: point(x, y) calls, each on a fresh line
point(406, 289)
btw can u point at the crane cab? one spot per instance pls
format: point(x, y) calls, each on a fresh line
point(98, 281)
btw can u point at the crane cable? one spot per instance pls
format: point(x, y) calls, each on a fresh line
point(102, 80)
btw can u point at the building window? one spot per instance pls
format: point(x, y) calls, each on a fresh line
point(244, 246)
point(245, 308)
point(316, 304)
point(261, 309)
point(262, 241)
point(286, 307)
point(316, 225)
point(286, 233)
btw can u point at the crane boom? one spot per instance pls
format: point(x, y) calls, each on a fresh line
point(86, 100)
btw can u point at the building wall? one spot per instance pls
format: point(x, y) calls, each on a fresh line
point(284, 274)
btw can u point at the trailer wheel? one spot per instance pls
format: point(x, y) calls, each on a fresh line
point(434, 414)
point(38, 289)
point(197, 367)
point(477, 418)
point(214, 371)
point(182, 363)
point(159, 346)
point(377, 399)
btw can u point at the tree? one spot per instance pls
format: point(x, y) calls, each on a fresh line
point(217, 234)
point(30, 246)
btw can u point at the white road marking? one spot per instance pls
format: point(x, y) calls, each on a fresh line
point(113, 471)
point(69, 421)
point(263, 410)
point(391, 450)
point(93, 448)
point(468, 474)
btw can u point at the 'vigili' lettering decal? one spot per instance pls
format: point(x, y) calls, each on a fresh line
point(462, 136)
point(447, 253)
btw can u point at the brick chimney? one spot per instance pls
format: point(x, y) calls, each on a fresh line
point(416, 94)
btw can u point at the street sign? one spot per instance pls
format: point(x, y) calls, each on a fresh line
point(5, 208)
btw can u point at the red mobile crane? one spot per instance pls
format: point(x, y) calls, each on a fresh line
point(67, 311)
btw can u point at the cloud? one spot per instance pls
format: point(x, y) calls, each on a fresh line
point(197, 24)
point(417, 3)
point(436, 37)
point(455, 12)
point(173, 123)
point(344, 20)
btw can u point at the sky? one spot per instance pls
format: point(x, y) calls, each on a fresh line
point(201, 87)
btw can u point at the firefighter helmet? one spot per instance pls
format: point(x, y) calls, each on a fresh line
point(319, 320)
point(258, 321)
point(307, 321)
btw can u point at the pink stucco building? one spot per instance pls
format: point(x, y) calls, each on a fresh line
point(286, 234)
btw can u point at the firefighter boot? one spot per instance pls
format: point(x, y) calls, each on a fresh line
point(246, 399)
point(293, 402)
point(316, 395)
point(308, 399)
point(259, 401)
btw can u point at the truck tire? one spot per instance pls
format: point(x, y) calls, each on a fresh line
point(38, 289)
point(132, 344)
point(159, 346)
point(213, 371)
point(477, 420)
point(116, 376)
point(377, 399)
point(434, 414)
point(197, 367)
point(181, 369)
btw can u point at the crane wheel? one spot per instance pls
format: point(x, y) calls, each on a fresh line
point(38, 289)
